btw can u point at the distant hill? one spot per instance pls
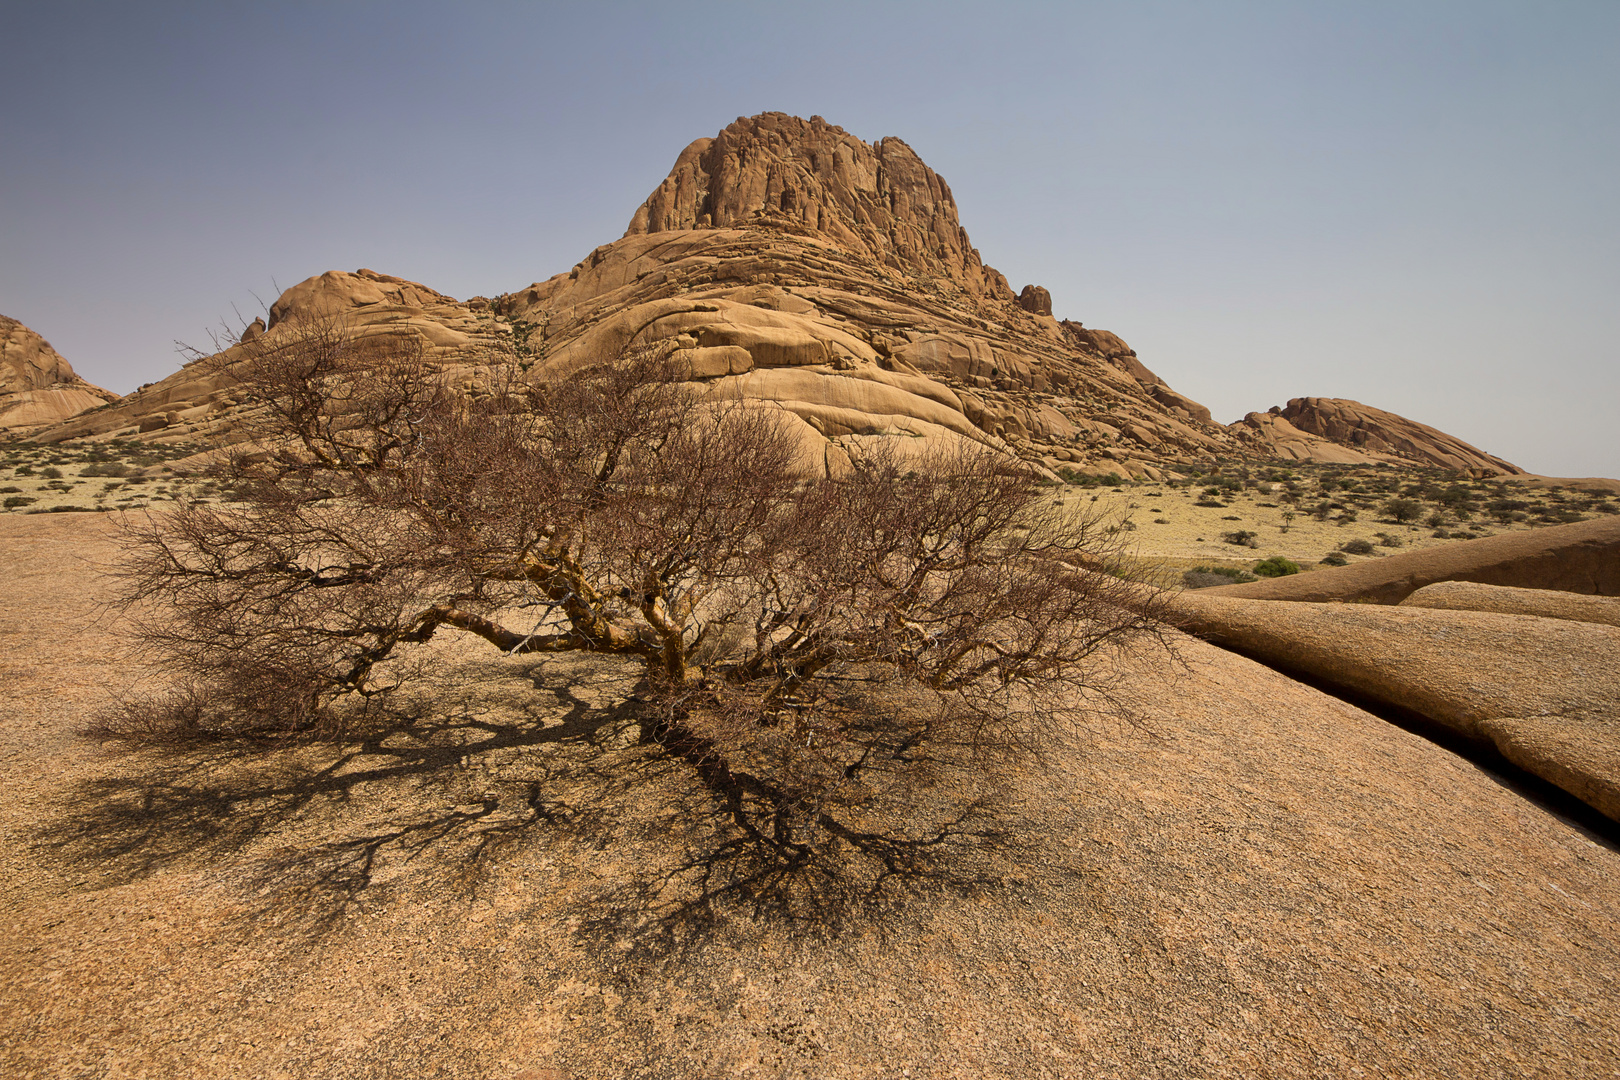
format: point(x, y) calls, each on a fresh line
point(37, 386)
point(787, 261)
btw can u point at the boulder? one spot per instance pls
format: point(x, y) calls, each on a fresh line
point(1547, 603)
point(1583, 557)
point(1542, 691)
point(1035, 300)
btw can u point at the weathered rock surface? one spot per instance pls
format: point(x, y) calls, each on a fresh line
point(37, 386)
point(196, 402)
point(1580, 558)
point(1035, 300)
point(1280, 439)
point(1337, 429)
point(784, 244)
point(805, 247)
point(1543, 691)
point(876, 199)
point(1252, 879)
point(1507, 600)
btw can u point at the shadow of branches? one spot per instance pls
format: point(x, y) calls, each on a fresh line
point(435, 802)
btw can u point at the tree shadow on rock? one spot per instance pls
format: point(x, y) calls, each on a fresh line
point(435, 802)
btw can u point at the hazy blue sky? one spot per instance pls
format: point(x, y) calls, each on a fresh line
point(1410, 204)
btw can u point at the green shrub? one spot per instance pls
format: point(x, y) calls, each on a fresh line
point(51, 473)
point(18, 500)
point(1240, 537)
point(1357, 546)
point(1276, 566)
point(1404, 510)
point(1334, 558)
point(1389, 540)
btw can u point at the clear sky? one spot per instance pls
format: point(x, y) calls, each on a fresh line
point(1412, 204)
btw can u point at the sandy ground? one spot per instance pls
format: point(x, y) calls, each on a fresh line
point(1244, 879)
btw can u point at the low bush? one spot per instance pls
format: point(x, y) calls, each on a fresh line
point(1240, 537)
point(1276, 566)
point(1357, 546)
point(1389, 540)
point(1403, 510)
point(1335, 558)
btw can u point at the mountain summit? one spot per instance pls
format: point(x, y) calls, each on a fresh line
point(788, 263)
point(878, 199)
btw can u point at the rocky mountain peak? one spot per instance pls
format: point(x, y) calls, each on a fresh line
point(877, 199)
point(37, 386)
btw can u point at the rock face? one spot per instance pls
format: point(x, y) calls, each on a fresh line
point(785, 262)
point(196, 402)
point(788, 262)
point(37, 386)
point(1579, 558)
point(1035, 300)
point(1336, 429)
point(1543, 691)
point(876, 199)
point(1507, 600)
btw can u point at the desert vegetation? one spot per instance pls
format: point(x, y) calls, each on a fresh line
point(805, 646)
point(99, 476)
point(1219, 513)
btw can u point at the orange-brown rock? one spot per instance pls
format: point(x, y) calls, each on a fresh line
point(1035, 300)
point(196, 403)
point(1543, 691)
point(1508, 600)
point(878, 199)
point(810, 249)
point(37, 386)
point(1362, 433)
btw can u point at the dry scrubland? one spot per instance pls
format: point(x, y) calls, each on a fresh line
point(1235, 516)
point(1305, 512)
point(1243, 878)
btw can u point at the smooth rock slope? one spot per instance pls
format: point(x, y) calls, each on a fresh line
point(37, 386)
point(1545, 692)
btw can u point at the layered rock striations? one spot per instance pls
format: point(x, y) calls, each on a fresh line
point(1340, 430)
point(876, 199)
point(787, 262)
point(37, 386)
point(199, 403)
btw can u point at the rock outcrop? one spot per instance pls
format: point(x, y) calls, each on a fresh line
point(786, 262)
point(197, 403)
point(876, 199)
point(1580, 558)
point(1507, 600)
point(809, 249)
point(1340, 430)
point(1543, 691)
point(37, 386)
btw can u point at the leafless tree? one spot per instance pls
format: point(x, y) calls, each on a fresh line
point(795, 632)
